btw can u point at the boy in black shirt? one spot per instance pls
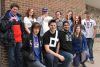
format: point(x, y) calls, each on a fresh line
point(52, 40)
point(66, 49)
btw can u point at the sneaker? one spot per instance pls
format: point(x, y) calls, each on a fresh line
point(92, 61)
point(83, 65)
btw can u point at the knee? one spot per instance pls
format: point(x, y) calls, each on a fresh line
point(69, 58)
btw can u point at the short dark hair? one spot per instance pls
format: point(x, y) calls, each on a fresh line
point(52, 21)
point(14, 5)
point(59, 12)
point(86, 12)
point(65, 22)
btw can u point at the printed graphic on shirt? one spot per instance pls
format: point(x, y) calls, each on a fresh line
point(53, 42)
point(88, 24)
point(68, 38)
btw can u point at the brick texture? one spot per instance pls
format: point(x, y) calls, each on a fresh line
point(95, 14)
point(77, 6)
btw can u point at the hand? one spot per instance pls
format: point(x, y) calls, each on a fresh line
point(30, 43)
point(94, 37)
point(61, 58)
point(12, 18)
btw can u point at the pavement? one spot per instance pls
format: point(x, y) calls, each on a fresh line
point(96, 52)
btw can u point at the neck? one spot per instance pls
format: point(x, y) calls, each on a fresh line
point(52, 31)
point(66, 30)
point(30, 16)
point(35, 34)
point(77, 34)
point(87, 18)
point(13, 13)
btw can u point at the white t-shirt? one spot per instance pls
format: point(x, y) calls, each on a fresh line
point(28, 21)
point(89, 27)
point(44, 23)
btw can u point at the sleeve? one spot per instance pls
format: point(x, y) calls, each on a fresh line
point(62, 40)
point(46, 39)
point(94, 23)
point(82, 22)
point(25, 20)
point(39, 20)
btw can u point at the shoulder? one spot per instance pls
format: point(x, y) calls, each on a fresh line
point(25, 17)
point(19, 15)
point(6, 15)
point(46, 34)
point(49, 17)
point(61, 33)
point(92, 20)
point(83, 20)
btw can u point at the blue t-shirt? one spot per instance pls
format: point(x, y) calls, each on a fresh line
point(36, 48)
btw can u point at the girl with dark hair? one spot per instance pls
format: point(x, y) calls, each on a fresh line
point(79, 44)
point(34, 41)
point(77, 21)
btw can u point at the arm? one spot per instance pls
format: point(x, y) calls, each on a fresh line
point(25, 24)
point(26, 29)
point(48, 50)
point(94, 26)
point(58, 47)
point(94, 34)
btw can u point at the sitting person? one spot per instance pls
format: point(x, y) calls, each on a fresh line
point(36, 47)
point(52, 41)
point(79, 44)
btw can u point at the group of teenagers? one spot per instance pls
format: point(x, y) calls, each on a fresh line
point(47, 41)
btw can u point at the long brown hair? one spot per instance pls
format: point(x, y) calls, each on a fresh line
point(27, 13)
point(79, 17)
point(75, 34)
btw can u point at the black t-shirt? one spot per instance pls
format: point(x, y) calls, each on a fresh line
point(68, 37)
point(48, 35)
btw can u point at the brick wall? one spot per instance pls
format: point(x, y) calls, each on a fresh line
point(78, 7)
point(95, 14)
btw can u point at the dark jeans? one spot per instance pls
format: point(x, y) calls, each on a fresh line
point(14, 55)
point(78, 60)
point(90, 43)
point(36, 64)
point(68, 58)
point(50, 60)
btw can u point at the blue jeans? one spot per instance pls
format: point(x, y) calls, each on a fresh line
point(90, 43)
point(68, 58)
point(36, 64)
point(50, 60)
point(14, 55)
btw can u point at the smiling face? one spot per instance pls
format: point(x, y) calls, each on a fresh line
point(36, 31)
point(52, 26)
point(78, 29)
point(31, 12)
point(87, 16)
point(66, 26)
point(77, 18)
point(70, 14)
point(14, 10)
point(58, 14)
